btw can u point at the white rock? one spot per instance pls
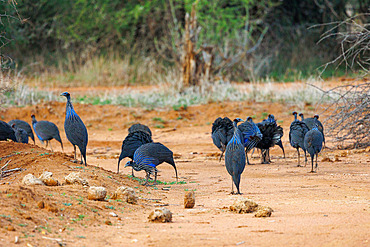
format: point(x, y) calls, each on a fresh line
point(160, 215)
point(46, 178)
point(30, 179)
point(74, 178)
point(96, 193)
point(126, 193)
point(113, 214)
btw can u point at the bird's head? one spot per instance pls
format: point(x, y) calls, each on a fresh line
point(270, 116)
point(129, 163)
point(32, 116)
point(294, 113)
point(316, 116)
point(300, 114)
point(237, 120)
point(13, 125)
point(249, 119)
point(65, 94)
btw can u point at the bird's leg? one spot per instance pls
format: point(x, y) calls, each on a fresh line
point(46, 145)
point(246, 154)
point(268, 152)
point(299, 164)
point(147, 177)
point(305, 158)
point(51, 147)
point(316, 162)
point(312, 157)
point(133, 175)
point(155, 178)
point(232, 186)
point(75, 159)
point(81, 159)
point(221, 155)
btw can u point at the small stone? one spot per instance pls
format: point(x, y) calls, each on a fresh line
point(263, 211)
point(189, 199)
point(160, 215)
point(127, 194)
point(10, 228)
point(30, 179)
point(40, 204)
point(108, 222)
point(113, 214)
point(51, 208)
point(46, 178)
point(244, 206)
point(74, 178)
point(16, 240)
point(96, 193)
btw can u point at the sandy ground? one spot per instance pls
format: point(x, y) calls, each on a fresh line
point(327, 208)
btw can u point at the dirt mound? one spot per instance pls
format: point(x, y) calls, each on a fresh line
point(50, 209)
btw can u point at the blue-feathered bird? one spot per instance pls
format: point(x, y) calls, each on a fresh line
point(235, 157)
point(6, 132)
point(251, 135)
point(271, 135)
point(313, 143)
point(75, 129)
point(23, 125)
point(20, 134)
point(148, 156)
point(132, 141)
point(222, 132)
point(310, 122)
point(298, 130)
point(46, 131)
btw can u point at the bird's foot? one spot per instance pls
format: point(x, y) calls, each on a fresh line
point(265, 162)
point(250, 164)
point(299, 166)
point(312, 171)
point(74, 161)
point(81, 162)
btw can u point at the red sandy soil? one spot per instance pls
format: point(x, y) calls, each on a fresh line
point(327, 208)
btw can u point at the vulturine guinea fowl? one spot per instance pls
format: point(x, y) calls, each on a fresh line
point(271, 135)
point(313, 143)
point(310, 122)
point(132, 141)
point(235, 157)
point(46, 131)
point(148, 156)
point(23, 125)
point(6, 132)
point(297, 132)
point(251, 135)
point(75, 129)
point(222, 132)
point(20, 134)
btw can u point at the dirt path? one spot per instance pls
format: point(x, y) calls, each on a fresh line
point(329, 208)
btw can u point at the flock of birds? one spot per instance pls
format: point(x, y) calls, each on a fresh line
point(237, 140)
point(232, 139)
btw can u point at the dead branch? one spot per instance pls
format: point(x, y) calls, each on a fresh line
point(5, 173)
point(349, 113)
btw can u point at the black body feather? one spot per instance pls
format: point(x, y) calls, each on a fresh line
point(132, 141)
point(6, 132)
point(46, 131)
point(222, 132)
point(23, 125)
